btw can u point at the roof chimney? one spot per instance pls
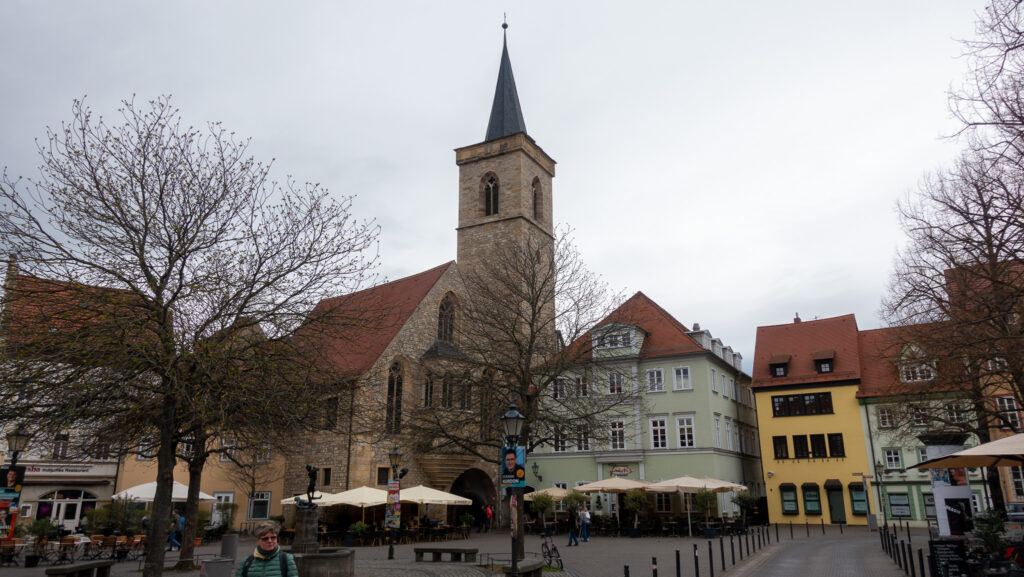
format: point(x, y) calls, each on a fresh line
point(796, 318)
point(696, 326)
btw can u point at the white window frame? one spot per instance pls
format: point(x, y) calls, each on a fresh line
point(1007, 407)
point(617, 434)
point(718, 431)
point(616, 383)
point(728, 433)
point(582, 440)
point(714, 381)
point(663, 502)
point(582, 386)
point(1017, 480)
point(685, 431)
point(558, 441)
point(886, 417)
point(228, 445)
point(683, 382)
point(558, 388)
point(258, 496)
point(655, 381)
point(893, 460)
point(659, 432)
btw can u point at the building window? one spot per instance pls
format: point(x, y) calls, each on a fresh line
point(491, 195)
point(835, 445)
point(659, 433)
point(804, 404)
point(60, 446)
point(955, 413)
point(615, 383)
point(261, 454)
point(735, 389)
point(559, 440)
point(682, 382)
point(922, 455)
point(428, 390)
point(918, 416)
point(779, 370)
point(800, 449)
point(583, 440)
point(227, 448)
point(259, 505)
point(558, 388)
point(725, 390)
point(684, 424)
point(393, 419)
point(728, 434)
point(812, 499)
point(818, 450)
point(915, 372)
point(447, 392)
point(714, 381)
point(582, 389)
point(781, 445)
point(663, 502)
point(929, 505)
point(886, 418)
point(618, 434)
point(1007, 407)
point(718, 431)
point(893, 460)
point(858, 500)
point(823, 366)
point(382, 475)
point(789, 503)
point(446, 320)
point(1017, 477)
point(655, 381)
point(537, 199)
point(329, 417)
point(466, 396)
point(186, 447)
point(615, 340)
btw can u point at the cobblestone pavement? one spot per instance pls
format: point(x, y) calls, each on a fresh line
point(854, 553)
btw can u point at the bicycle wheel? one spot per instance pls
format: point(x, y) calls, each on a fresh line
point(556, 558)
point(546, 553)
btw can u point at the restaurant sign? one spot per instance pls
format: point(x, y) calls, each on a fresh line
point(621, 471)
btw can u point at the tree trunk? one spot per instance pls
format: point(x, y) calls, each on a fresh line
point(166, 459)
point(195, 477)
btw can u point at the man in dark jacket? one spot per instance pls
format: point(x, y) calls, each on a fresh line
point(268, 560)
point(574, 521)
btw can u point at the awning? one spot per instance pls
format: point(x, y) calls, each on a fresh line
point(789, 486)
point(856, 486)
point(824, 355)
point(809, 486)
point(778, 359)
point(833, 484)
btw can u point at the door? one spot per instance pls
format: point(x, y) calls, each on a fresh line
point(65, 514)
point(836, 506)
point(217, 516)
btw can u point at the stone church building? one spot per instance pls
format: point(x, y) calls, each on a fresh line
point(505, 196)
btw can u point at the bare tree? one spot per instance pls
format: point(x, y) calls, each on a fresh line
point(958, 289)
point(179, 273)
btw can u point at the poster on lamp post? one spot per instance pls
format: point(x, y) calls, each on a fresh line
point(513, 473)
point(394, 514)
point(11, 480)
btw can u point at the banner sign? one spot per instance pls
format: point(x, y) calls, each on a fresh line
point(11, 480)
point(513, 473)
point(394, 514)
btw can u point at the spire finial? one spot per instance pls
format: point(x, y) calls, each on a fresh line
point(504, 25)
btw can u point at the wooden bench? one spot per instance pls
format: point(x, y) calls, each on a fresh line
point(456, 553)
point(90, 569)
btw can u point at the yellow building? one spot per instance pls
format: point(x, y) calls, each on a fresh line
point(257, 489)
point(805, 379)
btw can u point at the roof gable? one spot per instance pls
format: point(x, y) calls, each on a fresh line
point(665, 336)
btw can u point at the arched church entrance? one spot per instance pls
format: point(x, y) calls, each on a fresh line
point(476, 485)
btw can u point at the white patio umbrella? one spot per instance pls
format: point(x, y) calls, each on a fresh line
point(361, 497)
point(1005, 452)
point(612, 485)
point(147, 491)
point(556, 493)
point(687, 484)
point(423, 495)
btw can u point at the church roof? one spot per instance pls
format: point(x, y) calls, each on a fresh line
point(506, 115)
point(379, 313)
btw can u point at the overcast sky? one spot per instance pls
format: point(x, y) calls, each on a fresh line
point(738, 162)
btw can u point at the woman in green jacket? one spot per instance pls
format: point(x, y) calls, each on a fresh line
point(268, 560)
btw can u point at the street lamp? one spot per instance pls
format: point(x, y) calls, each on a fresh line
point(512, 422)
point(17, 441)
point(879, 471)
point(394, 457)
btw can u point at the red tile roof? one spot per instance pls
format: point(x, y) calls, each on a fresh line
point(880, 353)
point(665, 335)
point(802, 341)
point(365, 322)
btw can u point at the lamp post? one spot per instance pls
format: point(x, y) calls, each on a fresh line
point(17, 441)
point(879, 471)
point(512, 423)
point(394, 457)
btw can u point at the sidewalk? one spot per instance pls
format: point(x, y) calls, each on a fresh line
point(856, 552)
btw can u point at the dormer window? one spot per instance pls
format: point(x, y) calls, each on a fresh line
point(616, 340)
point(913, 367)
point(824, 361)
point(779, 365)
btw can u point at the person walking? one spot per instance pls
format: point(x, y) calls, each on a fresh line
point(175, 534)
point(268, 560)
point(488, 514)
point(584, 524)
point(574, 521)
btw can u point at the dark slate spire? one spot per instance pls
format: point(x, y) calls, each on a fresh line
point(506, 115)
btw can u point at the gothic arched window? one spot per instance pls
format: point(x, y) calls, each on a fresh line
point(490, 195)
point(537, 212)
point(393, 419)
point(428, 391)
point(446, 319)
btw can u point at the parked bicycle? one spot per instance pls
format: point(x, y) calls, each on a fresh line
point(549, 551)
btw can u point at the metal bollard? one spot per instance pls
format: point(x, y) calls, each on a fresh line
point(760, 541)
point(732, 549)
point(822, 525)
point(747, 539)
point(920, 561)
point(840, 528)
point(776, 532)
point(910, 560)
point(721, 549)
point(679, 568)
point(696, 562)
point(625, 571)
point(654, 567)
point(807, 527)
point(790, 530)
point(903, 548)
point(711, 559)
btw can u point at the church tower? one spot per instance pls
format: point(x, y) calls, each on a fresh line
point(504, 181)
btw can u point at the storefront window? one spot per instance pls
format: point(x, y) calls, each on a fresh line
point(789, 504)
point(858, 500)
point(812, 499)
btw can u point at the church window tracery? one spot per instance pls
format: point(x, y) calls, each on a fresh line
point(490, 195)
point(393, 419)
point(446, 319)
point(537, 212)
